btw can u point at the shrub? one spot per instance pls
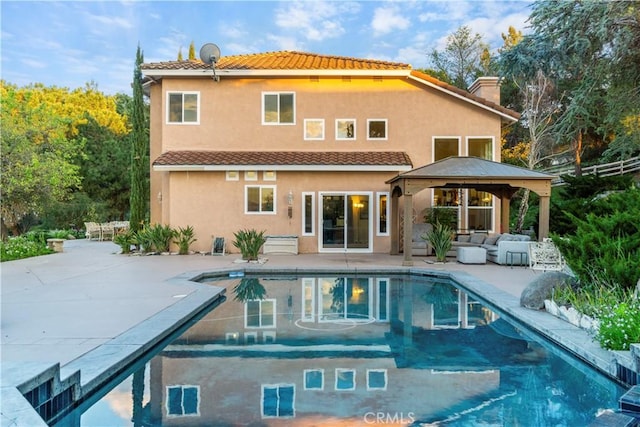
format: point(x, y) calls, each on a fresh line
point(440, 238)
point(249, 243)
point(619, 325)
point(125, 239)
point(606, 246)
point(184, 239)
point(155, 238)
point(22, 247)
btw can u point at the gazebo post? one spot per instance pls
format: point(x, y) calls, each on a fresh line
point(395, 223)
point(543, 217)
point(504, 212)
point(408, 229)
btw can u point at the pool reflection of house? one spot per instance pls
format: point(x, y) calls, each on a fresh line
point(319, 348)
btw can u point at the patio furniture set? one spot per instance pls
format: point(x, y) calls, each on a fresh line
point(503, 249)
point(104, 231)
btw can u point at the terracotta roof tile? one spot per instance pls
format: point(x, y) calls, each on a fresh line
point(282, 60)
point(302, 158)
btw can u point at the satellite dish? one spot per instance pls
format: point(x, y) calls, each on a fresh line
point(210, 54)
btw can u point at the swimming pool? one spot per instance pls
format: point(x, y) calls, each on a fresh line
point(353, 350)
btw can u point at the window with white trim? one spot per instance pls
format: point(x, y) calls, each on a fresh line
point(269, 175)
point(308, 299)
point(313, 129)
point(250, 175)
point(383, 214)
point(308, 214)
point(314, 379)
point(260, 313)
point(260, 199)
point(278, 400)
point(278, 108)
point(183, 107)
point(480, 147)
point(376, 379)
point(345, 129)
point(183, 400)
point(377, 129)
point(345, 379)
point(233, 175)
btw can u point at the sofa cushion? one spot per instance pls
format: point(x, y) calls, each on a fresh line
point(463, 238)
point(505, 237)
point(419, 230)
point(492, 239)
point(477, 238)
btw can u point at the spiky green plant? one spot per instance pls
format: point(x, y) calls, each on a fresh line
point(249, 243)
point(440, 237)
point(184, 237)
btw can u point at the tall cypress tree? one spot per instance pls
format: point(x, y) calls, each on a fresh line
point(139, 151)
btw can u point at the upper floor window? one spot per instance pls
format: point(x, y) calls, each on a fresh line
point(377, 129)
point(481, 147)
point(445, 147)
point(278, 108)
point(183, 107)
point(346, 129)
point(183, 400)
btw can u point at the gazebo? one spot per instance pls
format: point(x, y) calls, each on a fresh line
point(500, 179)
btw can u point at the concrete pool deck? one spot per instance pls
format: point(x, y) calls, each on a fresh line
point(89, 304)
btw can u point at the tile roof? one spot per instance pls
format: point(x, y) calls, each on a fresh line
point(472, 167)
point(301, 158)
point(282, 60)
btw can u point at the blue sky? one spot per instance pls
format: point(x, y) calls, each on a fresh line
point(70, 43)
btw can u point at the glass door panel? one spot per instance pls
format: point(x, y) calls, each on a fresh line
point(345, 221)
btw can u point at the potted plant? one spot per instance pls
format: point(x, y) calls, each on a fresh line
point(184, 239)
point(249, 242)
point(440, 239)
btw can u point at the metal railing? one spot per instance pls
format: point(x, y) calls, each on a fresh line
point(621, 167)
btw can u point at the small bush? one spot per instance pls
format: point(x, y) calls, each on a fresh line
point(249, 243)
point(125, 239)
point(184, 239)
point(440, 237)
point(22, 247)
point(619, 325)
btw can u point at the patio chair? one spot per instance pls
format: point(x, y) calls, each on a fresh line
point(217, 246)
point(107, 231)
point(545, 256)
point(92, 231)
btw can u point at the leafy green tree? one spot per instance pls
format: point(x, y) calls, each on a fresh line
point(464, 57)
point(139, 197)
point(590, 51)
point(41, 145)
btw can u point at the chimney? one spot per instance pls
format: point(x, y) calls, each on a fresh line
point(487, 88)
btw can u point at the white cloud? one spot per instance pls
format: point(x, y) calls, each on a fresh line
point(285, 43)
point(387, 19)
point(110, 21)
point(317, 20)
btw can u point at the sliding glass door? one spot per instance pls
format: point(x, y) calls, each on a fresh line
point(345, 222)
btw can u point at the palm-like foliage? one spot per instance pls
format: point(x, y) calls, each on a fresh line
point(249, 242)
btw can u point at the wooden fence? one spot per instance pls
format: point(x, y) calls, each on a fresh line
point(621, 167)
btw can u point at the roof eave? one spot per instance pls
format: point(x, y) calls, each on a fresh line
point(292, 168)
point(274, 73)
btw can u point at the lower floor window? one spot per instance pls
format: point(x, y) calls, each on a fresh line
point(278, 400)
point(260, 199)
point(183, 400)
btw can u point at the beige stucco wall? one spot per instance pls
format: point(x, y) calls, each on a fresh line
point(230, 119)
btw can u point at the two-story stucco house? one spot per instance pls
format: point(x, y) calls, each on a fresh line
point(303, 144)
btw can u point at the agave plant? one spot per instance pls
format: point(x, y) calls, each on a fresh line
point(249, 242)
point(440, 238)
point(125, 239)
point(249, 289)
point(184, 238)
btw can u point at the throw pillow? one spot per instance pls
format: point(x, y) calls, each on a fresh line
point(477, 238)
point(491, 240)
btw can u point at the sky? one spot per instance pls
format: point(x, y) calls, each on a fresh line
point(72, 43)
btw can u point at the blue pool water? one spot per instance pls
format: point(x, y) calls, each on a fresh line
point(354, 350)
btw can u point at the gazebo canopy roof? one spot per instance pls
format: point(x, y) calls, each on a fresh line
point(471, 168)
